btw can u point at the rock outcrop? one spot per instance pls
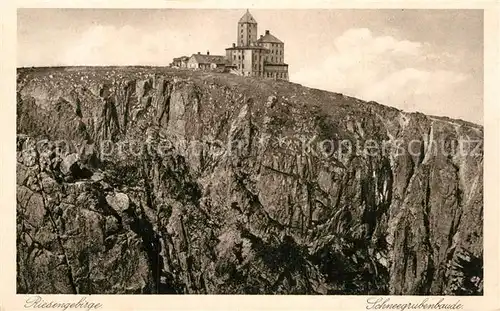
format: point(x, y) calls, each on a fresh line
point(147, 180)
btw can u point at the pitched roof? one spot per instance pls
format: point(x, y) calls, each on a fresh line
point(248, 47)
point(247, 18)
point(209, 59)
point(181, 58)
point(269, 38)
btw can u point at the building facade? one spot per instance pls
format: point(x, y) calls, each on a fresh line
point(249, 56)
point(180, 62)
point(206, 61)
point(262, 57)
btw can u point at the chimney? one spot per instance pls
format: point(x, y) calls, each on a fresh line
point(208, 52)
point(198, 53)
point(267, 32)
point(234, 45)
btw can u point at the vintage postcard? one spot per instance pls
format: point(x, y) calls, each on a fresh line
point(250, 155)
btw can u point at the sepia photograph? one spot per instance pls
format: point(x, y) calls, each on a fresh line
point(250, 151)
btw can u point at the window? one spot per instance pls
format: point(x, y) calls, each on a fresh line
point(242, 66)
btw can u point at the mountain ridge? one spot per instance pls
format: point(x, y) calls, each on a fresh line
point(298, 205)
point(181, 72)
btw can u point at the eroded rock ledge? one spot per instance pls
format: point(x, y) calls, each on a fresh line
point(127, 183)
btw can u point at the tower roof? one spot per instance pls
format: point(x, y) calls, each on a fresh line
point(247, 18)
point(268, 37)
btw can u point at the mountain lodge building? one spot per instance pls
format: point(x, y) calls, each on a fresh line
point(249, 56)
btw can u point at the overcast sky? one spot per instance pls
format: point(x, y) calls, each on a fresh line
point(416, 60)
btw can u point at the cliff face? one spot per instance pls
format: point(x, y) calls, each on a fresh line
point(144, 180)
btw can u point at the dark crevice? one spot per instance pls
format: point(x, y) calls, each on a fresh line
point(128, 94)
point(54, 226)
point(152, 245)
point(429, 278)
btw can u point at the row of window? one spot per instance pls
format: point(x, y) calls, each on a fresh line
point(257, 67)
point(279, 75)
point(257, 58)
point(240, 57)
point(278, 59)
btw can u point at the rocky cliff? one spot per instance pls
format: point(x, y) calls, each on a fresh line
point(150, 180)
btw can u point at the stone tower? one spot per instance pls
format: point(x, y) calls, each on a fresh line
point(247, 30)
point(263, 57)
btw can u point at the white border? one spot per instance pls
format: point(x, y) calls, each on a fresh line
point(9, 300)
